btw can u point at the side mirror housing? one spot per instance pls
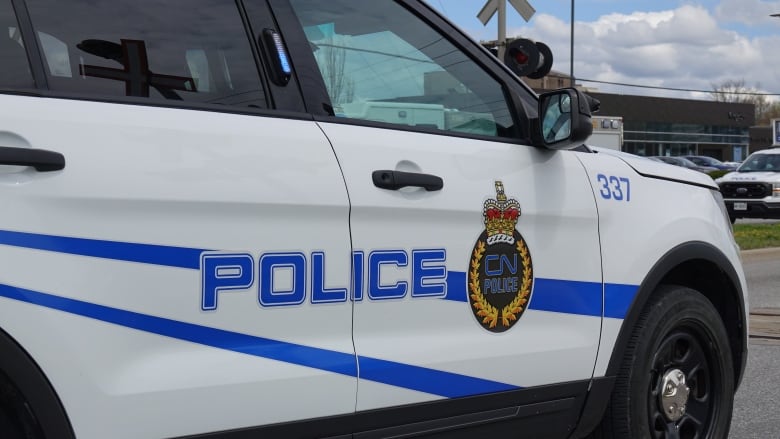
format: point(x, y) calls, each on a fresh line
point(564, 119)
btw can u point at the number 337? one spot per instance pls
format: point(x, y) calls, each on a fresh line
point(614, 188)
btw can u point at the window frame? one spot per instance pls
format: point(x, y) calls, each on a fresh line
point(31, 44)
point(281, 101)
point(521, 100)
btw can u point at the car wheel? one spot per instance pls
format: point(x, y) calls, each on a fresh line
point(9, 426)
point(676, 379)
point(16, 417)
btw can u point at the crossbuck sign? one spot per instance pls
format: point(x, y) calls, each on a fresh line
point(492, 6)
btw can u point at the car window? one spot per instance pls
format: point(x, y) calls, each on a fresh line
point(14, 68)
point(381, 63)
point(761, 162)
point(154, 49)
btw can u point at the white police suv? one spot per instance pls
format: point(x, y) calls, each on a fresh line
point(343, 219)
point(753, 190)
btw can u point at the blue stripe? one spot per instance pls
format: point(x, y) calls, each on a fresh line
point(563, 296)
point(411, 377)
point(180, 257)
point(618, 299)
point(456, 286)
point(432, 381)
point(548, 294)
point(330, 361)
point(566, 296)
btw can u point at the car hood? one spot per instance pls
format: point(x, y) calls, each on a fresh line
point(751, 176)
point(651, 168)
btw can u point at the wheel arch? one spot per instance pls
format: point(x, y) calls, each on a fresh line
point(704, 268)
point(19, 372)
point(696, 265)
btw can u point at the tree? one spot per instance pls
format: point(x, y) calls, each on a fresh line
point(737, 91)
point(332, 60)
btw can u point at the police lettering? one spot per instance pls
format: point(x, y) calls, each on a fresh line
point(500, 285)
point(289, 278)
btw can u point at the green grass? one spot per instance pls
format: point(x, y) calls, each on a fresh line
point(751, 236)
point(717, 174)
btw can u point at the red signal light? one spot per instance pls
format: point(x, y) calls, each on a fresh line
point(521, 57)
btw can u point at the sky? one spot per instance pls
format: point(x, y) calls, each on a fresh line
point(688, 44)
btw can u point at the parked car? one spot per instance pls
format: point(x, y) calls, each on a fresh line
point(683, 163)
point(703, 160)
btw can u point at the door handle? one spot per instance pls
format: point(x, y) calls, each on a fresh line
point(395, 180)
point(40, 159)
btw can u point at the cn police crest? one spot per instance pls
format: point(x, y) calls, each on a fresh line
point(500, 275)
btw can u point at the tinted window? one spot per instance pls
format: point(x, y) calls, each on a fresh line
point(761, 163)
point(381, 63)
point(195, 51)
point(14, 68)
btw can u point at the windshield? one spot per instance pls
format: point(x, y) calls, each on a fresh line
point(761, 163)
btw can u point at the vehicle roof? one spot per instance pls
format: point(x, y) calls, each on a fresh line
point(701, 156)
point(775, 150)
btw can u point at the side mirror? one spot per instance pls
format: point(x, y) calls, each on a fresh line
point(564, 119)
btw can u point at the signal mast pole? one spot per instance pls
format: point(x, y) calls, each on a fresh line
point(492, 6)
point(501, 29)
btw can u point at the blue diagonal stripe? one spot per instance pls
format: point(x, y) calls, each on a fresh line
point(407, 376)
point(437, 382)
point(261, 347)
point(181, 257)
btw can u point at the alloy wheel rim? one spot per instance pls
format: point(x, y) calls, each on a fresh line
point(696, 392)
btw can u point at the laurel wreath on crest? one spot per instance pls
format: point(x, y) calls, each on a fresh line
point(489, 313)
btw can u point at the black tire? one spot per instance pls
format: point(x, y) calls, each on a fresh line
point(679, 330)
point(28, 402)
point(9, 427)
point(16, 421)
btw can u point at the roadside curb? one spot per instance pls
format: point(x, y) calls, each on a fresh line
point(761, 253)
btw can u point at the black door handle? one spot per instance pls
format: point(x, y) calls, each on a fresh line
point(395, 180)
point(40, 159)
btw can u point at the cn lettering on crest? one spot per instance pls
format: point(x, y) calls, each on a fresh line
point(500, 275)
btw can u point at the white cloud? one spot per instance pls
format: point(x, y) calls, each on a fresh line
point(681, 48)
point(750, 12)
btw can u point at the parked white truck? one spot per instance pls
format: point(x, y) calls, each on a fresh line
point(607, 132)
point(753, 190)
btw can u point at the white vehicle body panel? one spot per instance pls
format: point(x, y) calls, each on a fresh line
point(558, 222)
point(185, 180)
point(232, 265)
point(645, 223)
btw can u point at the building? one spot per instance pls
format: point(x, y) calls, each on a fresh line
point(552, 81)
point(760, 138)
point(667, 126)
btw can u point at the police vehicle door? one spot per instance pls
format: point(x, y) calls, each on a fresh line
point(475, 256)
point(185, 246)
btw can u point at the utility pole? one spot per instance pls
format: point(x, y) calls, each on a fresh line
point(571, 60)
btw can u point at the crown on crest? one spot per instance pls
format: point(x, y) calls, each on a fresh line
point(500, 214)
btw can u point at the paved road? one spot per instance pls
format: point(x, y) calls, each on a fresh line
point(757, 403)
